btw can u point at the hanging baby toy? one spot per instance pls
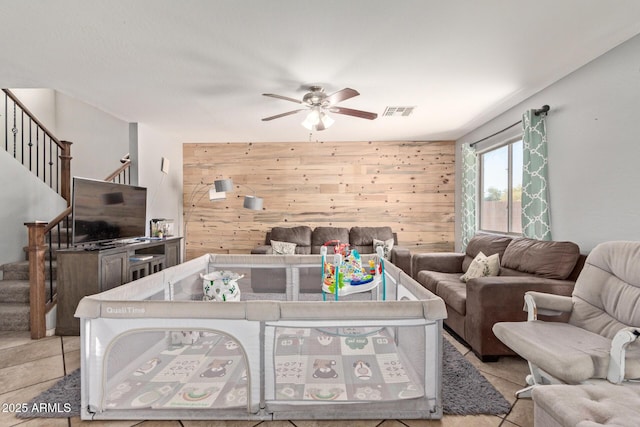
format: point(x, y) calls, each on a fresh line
point(346, 269)
point(330, 269)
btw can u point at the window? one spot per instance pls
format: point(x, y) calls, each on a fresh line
point(501, 189)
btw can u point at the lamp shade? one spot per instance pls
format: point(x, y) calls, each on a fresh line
point(216, 195)
point(253, 203)
point(317, 120)
point(326, 120)
point(223, 185)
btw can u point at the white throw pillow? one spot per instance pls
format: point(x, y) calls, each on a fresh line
point(387, 245)
point(283, 248)
point(482, 266)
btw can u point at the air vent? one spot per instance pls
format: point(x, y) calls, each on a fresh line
point(398, 111)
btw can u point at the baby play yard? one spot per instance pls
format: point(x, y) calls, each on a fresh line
point(197, 341)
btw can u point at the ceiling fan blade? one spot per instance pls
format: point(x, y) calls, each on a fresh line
point(277, 116)
point(286, 98)
point(341, 95)
point(356, 113)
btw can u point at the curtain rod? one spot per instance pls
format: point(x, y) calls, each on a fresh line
point(543, 110)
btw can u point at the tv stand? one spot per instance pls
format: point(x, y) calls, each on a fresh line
point(93, 269)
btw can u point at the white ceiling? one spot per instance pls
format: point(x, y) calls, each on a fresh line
point(197, 68)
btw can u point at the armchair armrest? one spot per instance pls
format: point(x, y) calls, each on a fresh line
point(499, 299)
point(444, 262)
point(546, 304)
point(401, 258)
point(617, 354)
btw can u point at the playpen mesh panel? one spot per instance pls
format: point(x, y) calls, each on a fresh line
point(174, 370)
point(260, 283)
point(348, 364)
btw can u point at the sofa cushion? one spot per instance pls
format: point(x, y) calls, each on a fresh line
point(550, 259)
point(322, 235)
point(300, 235)
point(482, 266)
point(283, 248)
point(361, 238)
point(601, 404)
point(447, 286)
point(488, 244)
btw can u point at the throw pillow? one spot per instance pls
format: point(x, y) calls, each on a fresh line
point(387, 245)
point(283, 248)
point(482, 266)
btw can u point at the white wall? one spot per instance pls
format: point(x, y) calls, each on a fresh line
point(593, 132)
point(42, 103)
point(99, 139)
point(164, 191)
point(27, 199)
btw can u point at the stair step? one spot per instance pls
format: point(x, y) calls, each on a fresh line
point(14, 317)
point(17, 291)
point(20, 270)
point(14, 291)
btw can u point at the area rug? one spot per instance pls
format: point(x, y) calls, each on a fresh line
point(464, 392)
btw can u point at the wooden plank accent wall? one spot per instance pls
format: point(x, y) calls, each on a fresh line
point(408, 186)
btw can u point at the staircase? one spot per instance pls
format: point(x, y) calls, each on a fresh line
point(14, 294)
point(15, 284)
point(26, 301)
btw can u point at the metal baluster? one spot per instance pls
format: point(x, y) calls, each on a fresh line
point(14, 130)
point(6, 122)
point(30, 145)
point(50, 163)
point(44, 157)
point(22, 136)
point(50, 245)
point(37, 151)
point(57, 169)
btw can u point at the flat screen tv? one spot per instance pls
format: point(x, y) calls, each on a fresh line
point(106, 212)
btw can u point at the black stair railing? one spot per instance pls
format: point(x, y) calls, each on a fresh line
point(33, 145)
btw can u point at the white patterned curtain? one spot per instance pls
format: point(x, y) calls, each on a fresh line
point(535, 185)
point(469, 193)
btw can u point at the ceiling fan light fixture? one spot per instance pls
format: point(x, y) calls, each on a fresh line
point(311, 121)
point(326, 120)
point(317, 120)
point(317, 103)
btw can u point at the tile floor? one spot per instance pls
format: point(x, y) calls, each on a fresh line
point(29, 367)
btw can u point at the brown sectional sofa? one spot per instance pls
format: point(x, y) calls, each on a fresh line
point(309, 241)
point(474, 307)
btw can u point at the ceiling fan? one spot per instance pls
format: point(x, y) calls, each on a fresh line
point(319, 103)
